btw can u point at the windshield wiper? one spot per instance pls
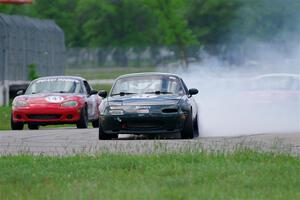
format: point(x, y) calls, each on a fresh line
point(159, 92)
point(123, 93)
point(59, 92)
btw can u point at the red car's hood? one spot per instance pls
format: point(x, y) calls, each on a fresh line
point(45, 98)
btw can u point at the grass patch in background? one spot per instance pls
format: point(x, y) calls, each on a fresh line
point(98, 87)
point(107, 73)
point(5, 117)
point(242, 175)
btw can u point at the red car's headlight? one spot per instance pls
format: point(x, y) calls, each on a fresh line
point(20, 103)
point(69, 104)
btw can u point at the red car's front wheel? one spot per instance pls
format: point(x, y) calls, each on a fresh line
point(83, 121)
point(16, 125)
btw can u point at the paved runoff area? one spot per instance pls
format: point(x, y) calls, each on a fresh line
point(72, 141)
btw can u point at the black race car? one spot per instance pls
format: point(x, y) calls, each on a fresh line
point(148, 103)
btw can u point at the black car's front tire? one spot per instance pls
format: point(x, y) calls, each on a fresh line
point(104, 136)
point(188, 129)
point(16, 125)
point(83, 121)
point(196, 127)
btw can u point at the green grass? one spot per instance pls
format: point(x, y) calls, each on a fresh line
point(107, 73)
point(242, 175)
point(5, 117)
point(98, 87)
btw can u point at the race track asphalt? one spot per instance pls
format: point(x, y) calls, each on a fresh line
point(72, 141)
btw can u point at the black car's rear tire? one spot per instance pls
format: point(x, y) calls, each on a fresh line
point(16, 125)
point(83, 121)
point(196, 127)
point(104, 136)
point(95, 123)
point(188, 129)
point(33, 126)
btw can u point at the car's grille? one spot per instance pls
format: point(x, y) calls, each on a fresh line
point(170, 110)
point(35, 116)
point(145, 125)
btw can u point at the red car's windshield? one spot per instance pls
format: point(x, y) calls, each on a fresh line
point(54, 85)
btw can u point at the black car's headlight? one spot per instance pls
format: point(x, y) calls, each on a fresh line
point(114, 110)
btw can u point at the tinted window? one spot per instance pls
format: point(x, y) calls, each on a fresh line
point(87, 87)
point(148, 84)
point(52, 85)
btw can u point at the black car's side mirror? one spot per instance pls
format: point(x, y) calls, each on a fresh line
point(193, 91)
point(93, 92)
point(20, 92)
point(102, 93)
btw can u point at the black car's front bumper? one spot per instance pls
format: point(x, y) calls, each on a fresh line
point(143, 123)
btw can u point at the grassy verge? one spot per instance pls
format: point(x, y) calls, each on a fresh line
point(5, 117)
point(243, 175)
point(107, 73)
point(98, 87)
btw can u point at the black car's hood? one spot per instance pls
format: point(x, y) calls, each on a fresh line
point(144, 99)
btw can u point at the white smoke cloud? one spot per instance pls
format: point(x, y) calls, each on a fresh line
point(224, 109)
point(225, 106)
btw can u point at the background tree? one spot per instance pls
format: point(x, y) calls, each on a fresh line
point(172, 25)
point(178, 23)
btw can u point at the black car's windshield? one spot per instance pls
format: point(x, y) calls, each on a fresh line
point(155, 84)
point(54, 85)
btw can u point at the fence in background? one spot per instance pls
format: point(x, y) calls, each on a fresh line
point(25, 41)
point(119, 56)
point(239, 54)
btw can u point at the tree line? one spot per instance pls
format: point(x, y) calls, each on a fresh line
point(108, 23)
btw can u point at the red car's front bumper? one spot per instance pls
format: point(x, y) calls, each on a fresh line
point(46, 114)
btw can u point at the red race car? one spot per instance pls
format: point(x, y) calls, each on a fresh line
point(56, 100)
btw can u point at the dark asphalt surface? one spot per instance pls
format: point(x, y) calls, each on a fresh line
point(71, 141)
